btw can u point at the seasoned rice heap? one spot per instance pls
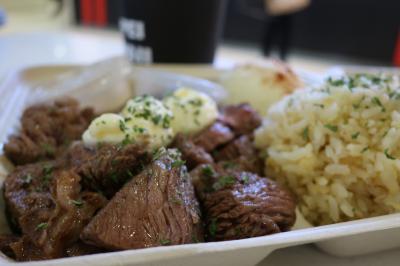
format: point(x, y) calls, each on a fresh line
point(338, 147)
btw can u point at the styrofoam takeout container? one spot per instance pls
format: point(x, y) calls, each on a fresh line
point(342, 239)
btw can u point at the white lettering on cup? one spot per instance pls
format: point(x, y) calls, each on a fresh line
point(139, 54)
point(133, 29)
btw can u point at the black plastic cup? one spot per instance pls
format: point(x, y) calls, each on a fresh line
point(172, 31)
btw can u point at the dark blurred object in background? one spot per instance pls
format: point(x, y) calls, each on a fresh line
point(360, 29)
point(366, 30)
point(2, 17)
point(172, 31)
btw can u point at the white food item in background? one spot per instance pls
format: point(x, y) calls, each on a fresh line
point(144, 119)
point(260, 86)
point(193, 110)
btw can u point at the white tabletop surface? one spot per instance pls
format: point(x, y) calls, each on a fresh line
point(82, 46)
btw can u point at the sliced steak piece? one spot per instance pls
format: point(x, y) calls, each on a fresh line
point(157, 207)
point(107, 167)
point(191, 153)
point(28, 188)
point(240, 205)
point(215, 135)
point(241, 152)
point(46, 130)
point(49, 208)
point(241, 118)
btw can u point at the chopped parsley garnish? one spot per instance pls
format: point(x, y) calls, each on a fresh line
point(355, 135)
point(376, 101)
point(246, 179)
point(195, 239)
point(156, 119)
point(166, 121)
point(158, 153)
point(122, 126)
point(336, 82)
point(212, 228)
point(176, 201)
point(357, 105)
point(305, 134)
point(47, 171)
point(224, 181)
point(41, 226)
point(77, 203)
point(165, 242)
point(196, 102)
point(207, 171)
point(129, 173)
point(140, 130)
point(114, 178)
point(27, 178)
point(319, 105)
point(126, 141)
point(264, 154)
point(388, 155)
point(365, 149)
point(49, 149)
point(331, 127)
point(227, 165)
point(178, 163)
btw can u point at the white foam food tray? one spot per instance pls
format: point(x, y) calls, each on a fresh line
point(342, 239)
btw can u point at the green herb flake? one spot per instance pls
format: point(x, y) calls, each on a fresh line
point(319, 105)
point(305, 134)
point(165, 242)
point(176, 201)
point(336, 82)
point(114, 178)
point(388, 155)
point(264, 154)
point(228, 165)
point(196, 102)
point(178, 163)
point(246, 179)
point(156, 119)
point(355, 135)
point(195, 239)
point(224, 181)
point(376, 101)
point(77, 203)
point(49, 149)
point(122, 126)
point(365, 149)
point(129, 173)
point(212, 228)
point(47, 171)
point(331, 127)
point(27, 178)
point(41, 226)
point(207, 171)
point(126, 141)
